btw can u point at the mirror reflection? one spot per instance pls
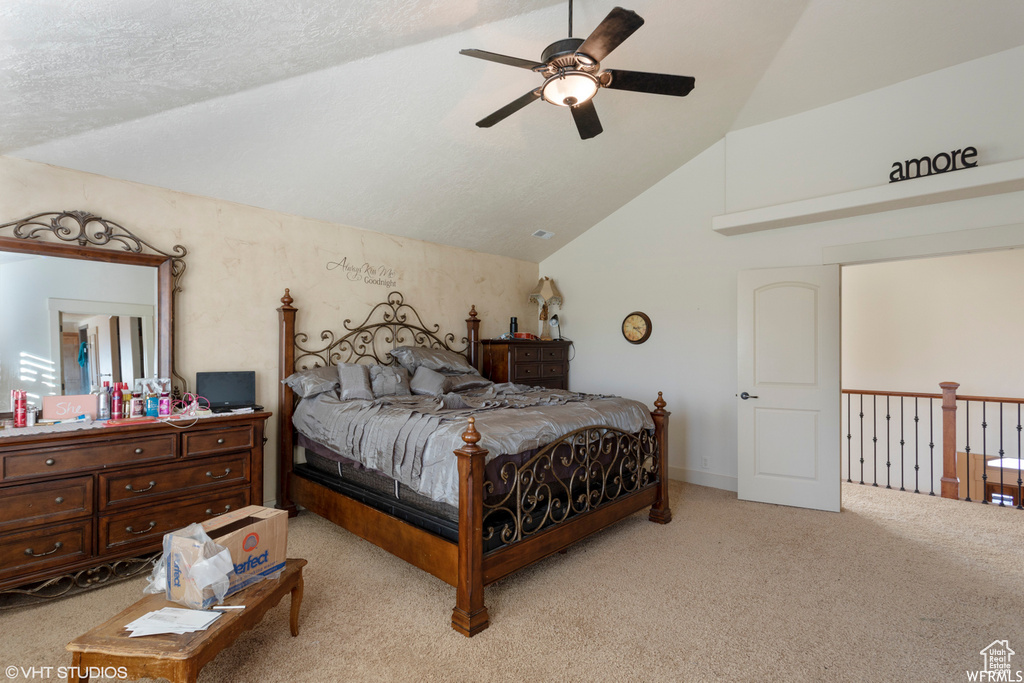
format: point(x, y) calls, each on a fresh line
point(68, 325)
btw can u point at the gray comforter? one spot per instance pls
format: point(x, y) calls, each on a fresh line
point(412, 438)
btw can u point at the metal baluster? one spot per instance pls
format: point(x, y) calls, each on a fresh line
point(903, 472)
point(874, 443)
point(888, 446)
point(931, 444)
point(862, 438)
point(917, 448)
point(984, 455)
point(1020, 483)
point(849, 436)
point(967, 448)
point(1001, 453)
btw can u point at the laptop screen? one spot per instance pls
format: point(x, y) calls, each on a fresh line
point(227, 389)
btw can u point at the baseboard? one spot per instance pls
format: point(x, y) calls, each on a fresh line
point(715, 481)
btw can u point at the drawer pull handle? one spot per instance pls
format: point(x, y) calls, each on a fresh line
point(211, 475)
point(56, 546)
point(51, 462)
point(60, 499)
point(220, 441)
point(147, 529)
point(128, 487)
point(209, 511)
point(138, 451)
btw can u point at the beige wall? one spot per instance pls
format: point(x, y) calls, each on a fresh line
point(241, 259)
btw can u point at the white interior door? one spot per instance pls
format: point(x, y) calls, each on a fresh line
point(789, 431)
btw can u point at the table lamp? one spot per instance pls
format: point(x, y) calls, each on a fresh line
point(545, 294)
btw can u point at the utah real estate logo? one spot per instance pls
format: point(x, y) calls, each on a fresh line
point(996, 664)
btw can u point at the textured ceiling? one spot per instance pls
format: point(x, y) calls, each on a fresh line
point(361, 113)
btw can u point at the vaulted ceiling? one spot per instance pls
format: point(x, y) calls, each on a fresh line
point(361, 112)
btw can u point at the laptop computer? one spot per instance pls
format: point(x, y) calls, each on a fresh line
point(228, 391)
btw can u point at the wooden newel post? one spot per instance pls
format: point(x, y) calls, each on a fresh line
point(470, 616)
point(660, 511)
point(286, 405)
point(950, 484)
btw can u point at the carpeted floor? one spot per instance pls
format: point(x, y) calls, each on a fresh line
point(896, 587)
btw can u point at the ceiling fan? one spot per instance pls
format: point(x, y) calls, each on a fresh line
point(572, 73)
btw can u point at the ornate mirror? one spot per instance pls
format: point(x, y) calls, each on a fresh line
point(83, 300)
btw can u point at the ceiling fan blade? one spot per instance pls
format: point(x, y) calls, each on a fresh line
point(509, 109)
point(587, 122)
point(640, 81)
point(501, 59)
point(610, 33)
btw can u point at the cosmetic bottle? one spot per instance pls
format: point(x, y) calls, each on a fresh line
point(116, 402)
point(513, 326)
point(164, 408)
point(20, 401)
point(104, 410)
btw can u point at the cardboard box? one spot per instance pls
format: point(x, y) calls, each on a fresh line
point(256, 537)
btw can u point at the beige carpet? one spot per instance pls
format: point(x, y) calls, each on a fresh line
point(896, 587)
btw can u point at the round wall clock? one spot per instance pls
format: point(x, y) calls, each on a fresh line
point(636, 328)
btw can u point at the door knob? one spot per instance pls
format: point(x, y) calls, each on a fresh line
point(745, 396)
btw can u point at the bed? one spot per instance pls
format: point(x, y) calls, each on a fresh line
point(474, 517)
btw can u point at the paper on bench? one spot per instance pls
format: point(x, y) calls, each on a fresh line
point(171, 620)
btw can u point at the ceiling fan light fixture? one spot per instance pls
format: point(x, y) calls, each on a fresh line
point(569, 87)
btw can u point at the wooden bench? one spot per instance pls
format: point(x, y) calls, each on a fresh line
point(180, 657)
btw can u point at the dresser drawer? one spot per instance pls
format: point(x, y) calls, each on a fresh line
point(50, 461)
point(526, 372)
point(526, 354)
point(128, 487)
point(552, 353)
point(147, 526)
point(551, 370)
point(45, 503)
point(217, 441)
point(46, 547)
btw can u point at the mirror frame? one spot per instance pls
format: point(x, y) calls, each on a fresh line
point(86, 236)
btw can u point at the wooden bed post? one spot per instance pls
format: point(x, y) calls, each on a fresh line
point(286, 405)
point(473, 335)
point(470, 615)
point(660, 511)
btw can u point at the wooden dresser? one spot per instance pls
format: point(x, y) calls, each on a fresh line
point(70, 501)
point(539, 363)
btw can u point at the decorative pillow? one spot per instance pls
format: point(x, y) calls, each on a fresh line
point(312, 381)
point(355, 381)
point(441, 360)
point(389, 380)
point(465, 382)
point(427, 382)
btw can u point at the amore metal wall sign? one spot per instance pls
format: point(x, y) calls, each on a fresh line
point(943, 162)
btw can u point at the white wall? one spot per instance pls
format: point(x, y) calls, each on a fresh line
point(659, 254)
point(908, 325)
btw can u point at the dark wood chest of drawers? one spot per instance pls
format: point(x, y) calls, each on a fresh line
point(539, 363)
point(71, 501)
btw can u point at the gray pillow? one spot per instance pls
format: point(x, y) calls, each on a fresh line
point(441, 360)
point(355, 381)
point(431, 383)
point(312, 381)
point(426, 382)
point(465, 382)
point(389, 380)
